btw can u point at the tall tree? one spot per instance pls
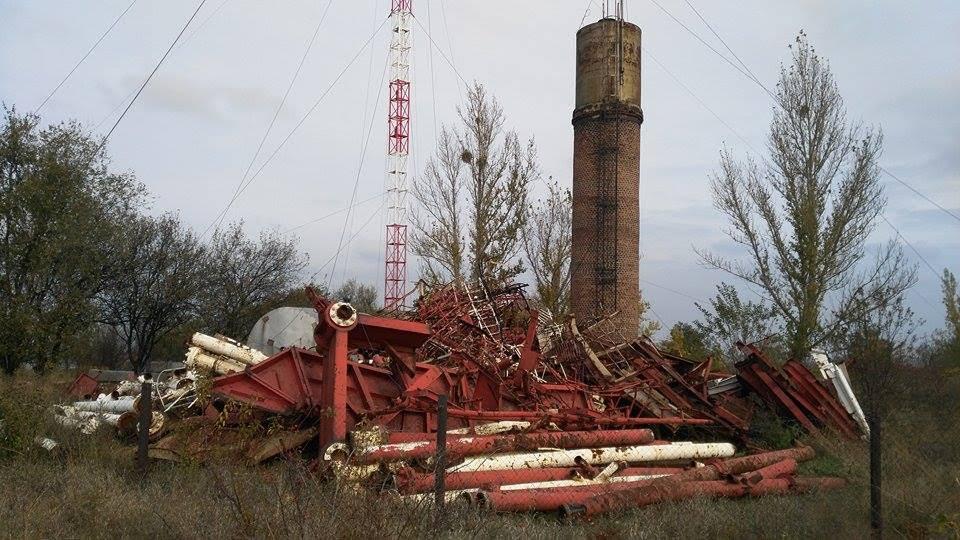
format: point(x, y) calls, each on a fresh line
point(61, 210)
point(246, 277)
point(547, 245)
point(951, 303)
point(439, 239)
point(162, 277)
point(804, 214)
point(474, 210)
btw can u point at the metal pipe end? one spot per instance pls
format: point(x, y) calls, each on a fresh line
point(481, 499)
point(342, 314)
point(569, 512)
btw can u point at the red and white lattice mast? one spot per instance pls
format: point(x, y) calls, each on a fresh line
point(398, 149)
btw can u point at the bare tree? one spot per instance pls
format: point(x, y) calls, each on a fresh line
point(804, 214)
point(246, 277)
point(156, 292)
point(547, 245)
point(474, 210)
point(439, 241)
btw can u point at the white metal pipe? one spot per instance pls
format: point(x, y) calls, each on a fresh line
point(116, 406)
point(196, 358)
point(449, 496)
point(838, 377)
point(86, 421)
point(594, 456)
point(609, 471)
point(240, 353)
point(492, 428)
point(46, 443)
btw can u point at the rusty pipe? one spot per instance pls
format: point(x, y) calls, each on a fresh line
point(595, 456)
point(622, 499)
point(602, 484)
point(237, 353)
point(656, 492)
point(407, 480)
point(547, 498)
point(779, 469)
point(118, 406)
point(198, 358)
point(497, 444)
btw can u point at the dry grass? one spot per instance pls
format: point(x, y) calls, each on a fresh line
point(89, 490)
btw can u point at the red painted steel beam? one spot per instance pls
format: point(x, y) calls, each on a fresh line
point(372, 330)
point(409, 481)
point(280, 384)
point(801, 377)
point(494, 444)
point(784, 399)
point(529, 354)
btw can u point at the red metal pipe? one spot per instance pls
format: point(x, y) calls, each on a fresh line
point(626, 498)
point(567, 417)
point(409, 481)
point(395, 437)
point(546, 499)
point(780, 469)
point(655, 492)
point(333, 400)
point(495, 444)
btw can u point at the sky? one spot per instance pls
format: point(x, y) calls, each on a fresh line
point(195, 129)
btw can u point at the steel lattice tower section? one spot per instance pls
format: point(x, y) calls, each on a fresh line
point(398, 149)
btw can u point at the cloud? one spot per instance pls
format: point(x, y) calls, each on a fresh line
point(198, 98)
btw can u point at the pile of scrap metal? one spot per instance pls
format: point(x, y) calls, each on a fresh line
point(117, 404)
point(599, 398)
point(495, 360)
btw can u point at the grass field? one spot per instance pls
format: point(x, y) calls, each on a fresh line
point(89, 490)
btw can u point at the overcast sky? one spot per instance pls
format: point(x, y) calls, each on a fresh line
point(194, 130)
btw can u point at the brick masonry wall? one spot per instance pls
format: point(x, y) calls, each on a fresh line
point(591, 133)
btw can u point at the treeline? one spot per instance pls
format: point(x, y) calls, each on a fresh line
point(88, 275)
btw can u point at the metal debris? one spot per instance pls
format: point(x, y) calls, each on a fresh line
point(541, 416)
